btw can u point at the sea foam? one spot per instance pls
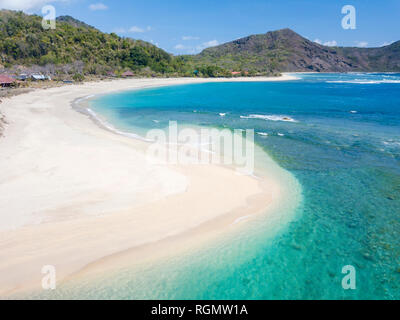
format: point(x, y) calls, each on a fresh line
point(269, 117)
point(365, 81)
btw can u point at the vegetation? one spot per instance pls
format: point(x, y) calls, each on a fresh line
point(77, 49)
point(286, 51)
point(78, 77)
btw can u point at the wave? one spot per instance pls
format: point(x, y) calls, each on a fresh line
point(76, 105)
point(77, 101)
point(365, 81)
point(264, 134)
point(391, 143)
point(269, 117)
point(109, 127)
point(241, 219)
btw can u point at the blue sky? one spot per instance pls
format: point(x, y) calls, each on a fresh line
point(182, 27)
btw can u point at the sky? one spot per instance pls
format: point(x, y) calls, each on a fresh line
point(189, 26)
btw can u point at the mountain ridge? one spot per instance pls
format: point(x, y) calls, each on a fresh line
point(286, 51)
point(76, 47)
point(74, 22)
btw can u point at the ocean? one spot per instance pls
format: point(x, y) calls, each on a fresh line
point(337, 136)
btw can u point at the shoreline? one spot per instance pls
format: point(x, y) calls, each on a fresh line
point(58, 162)
point(76, 103)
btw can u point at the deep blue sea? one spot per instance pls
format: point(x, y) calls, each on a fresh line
point(343, 148)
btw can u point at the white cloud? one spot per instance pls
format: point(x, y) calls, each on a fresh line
point(387, 43)
point(186, 49)
point(211, 43)
point(98, 6)
point(188, 38)
point(26, 5)
point(119, 30)
point(332, 43)
point(136, 29)
point(155, 43)
point(181, 47)
point(205, 45)
point(196, 49)
point(361, 44)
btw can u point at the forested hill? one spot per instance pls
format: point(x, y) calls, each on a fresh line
point(74, 22)
point(285, 50)
point(23, 41)
point(76, 47)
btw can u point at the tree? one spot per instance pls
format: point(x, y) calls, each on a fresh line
point(78, 77)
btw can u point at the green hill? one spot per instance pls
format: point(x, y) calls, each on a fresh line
point(75, 47)
point(23, 41)
point(73, 22)
point(286, 51)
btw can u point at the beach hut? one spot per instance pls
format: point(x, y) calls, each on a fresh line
point(128, 74)
point(6, 81)
point(38, 77)
point(23, 77)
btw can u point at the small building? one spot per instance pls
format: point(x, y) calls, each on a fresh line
point(128, 74)
point(235, 73)
point(23, 77)
point(38, 77)
point(111, 74)
point(6, 81)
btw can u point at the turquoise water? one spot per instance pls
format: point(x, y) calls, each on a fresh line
point(343, 147)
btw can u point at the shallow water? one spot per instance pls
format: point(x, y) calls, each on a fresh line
point(339, 136)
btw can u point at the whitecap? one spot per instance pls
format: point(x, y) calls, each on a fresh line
point(109, 127)
point(391, 143)
point(269, 117)
point(365, 81)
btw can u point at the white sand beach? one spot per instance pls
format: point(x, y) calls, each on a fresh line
point(72, 193)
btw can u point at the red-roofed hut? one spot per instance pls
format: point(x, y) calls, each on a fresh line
point(6, 81)
point(128, 74)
